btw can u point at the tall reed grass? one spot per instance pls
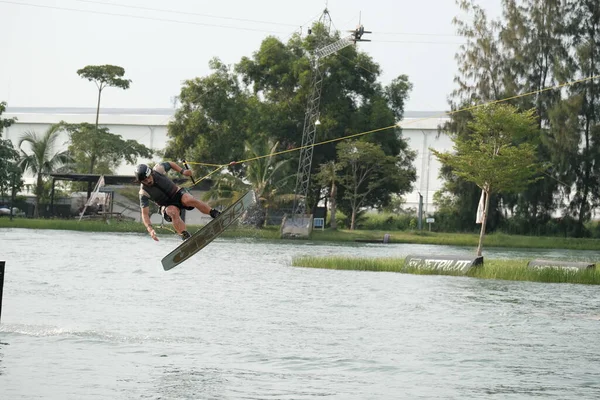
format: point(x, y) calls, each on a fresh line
point(513, 270)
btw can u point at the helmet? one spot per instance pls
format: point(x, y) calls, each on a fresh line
point(142, 171)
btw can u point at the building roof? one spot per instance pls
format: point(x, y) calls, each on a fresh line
point(151, 111)
point(90, 110)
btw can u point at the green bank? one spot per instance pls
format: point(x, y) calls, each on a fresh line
point(513, 270)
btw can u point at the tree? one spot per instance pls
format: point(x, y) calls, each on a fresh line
point(266, 175)
point(96, 150)
point(5, 122)
point(365, 168)
point(266, 95)
point(212, 123)
point(10, 174)
point(480, 79)
point(525, 52)
point(42, 159)
point(327, 176)
point(577, 122)
point(104, 76)
point(497, 156)
point(536, 60)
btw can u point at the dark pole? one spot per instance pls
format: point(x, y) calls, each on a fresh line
point(420, 211)
point(52, 199)
point(12, 195)
point(1, 284)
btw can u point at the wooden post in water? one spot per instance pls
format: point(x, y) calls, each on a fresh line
point(1, 285)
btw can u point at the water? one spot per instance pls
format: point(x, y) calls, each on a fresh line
point(94, 316)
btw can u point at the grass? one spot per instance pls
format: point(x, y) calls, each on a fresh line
point(512, 270)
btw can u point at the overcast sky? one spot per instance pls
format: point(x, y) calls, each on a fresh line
point(161, 43)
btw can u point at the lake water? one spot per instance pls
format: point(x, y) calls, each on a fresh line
point(94, 316)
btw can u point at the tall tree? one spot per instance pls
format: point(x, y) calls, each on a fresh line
point(584, 101)
point(480, 79)
point(41, 158)
point(497, 157)
point(524, 53)
point(104, 76)
point(536, 55)
point(480, 60)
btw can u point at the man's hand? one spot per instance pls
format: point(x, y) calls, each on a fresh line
point(152, 233)
point(186, 172)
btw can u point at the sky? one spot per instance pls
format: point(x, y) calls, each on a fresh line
point(162, 43)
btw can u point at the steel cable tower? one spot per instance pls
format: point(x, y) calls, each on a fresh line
point(311, 120)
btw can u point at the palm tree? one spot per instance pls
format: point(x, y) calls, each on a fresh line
point(43, 159)
point(263, 175)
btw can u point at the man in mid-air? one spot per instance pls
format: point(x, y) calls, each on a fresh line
point(170, 198)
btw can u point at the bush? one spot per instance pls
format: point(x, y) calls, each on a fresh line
point(386, 221)
point(558, 227)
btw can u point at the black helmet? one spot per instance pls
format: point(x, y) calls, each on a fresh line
point(142, 171)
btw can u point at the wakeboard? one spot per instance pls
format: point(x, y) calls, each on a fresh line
point(209, 232)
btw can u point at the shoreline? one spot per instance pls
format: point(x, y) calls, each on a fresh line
point(328, 235)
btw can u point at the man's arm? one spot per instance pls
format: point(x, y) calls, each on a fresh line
point(148, 223)
point(177, 168)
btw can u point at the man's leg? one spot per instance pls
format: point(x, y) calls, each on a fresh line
point(189, 201)
point(178, 224)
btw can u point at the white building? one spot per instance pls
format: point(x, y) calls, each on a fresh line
point(149, 127)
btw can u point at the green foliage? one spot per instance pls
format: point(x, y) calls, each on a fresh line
point(5, 122)
point(97, 150)
point(268, 175)
point(396, 94)
point(265, 96)
point(327, 177)
point(105, 76)
point(536, 46)
point(10, 173)
point(497, 157)
point(214, 119)
point(41, 158)
point(387, 221)
point(412, 224)
point(364, 169)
